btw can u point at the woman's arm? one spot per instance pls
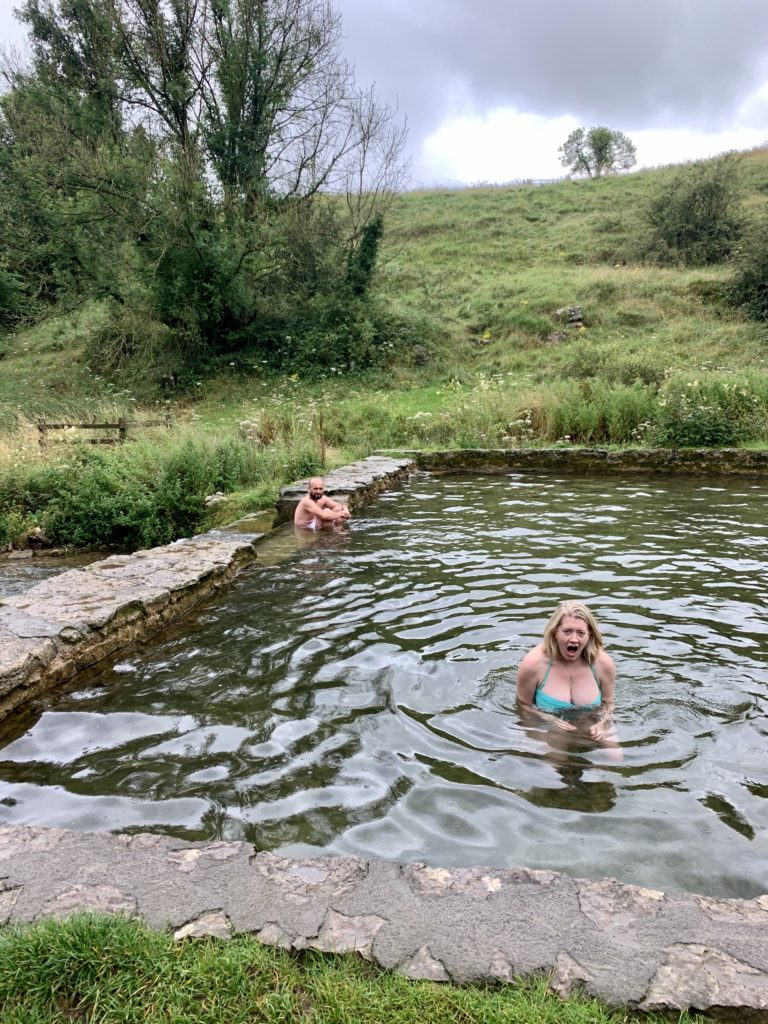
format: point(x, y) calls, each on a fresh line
point(605, 670)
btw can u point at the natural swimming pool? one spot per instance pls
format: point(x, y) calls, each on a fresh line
point(356, 695)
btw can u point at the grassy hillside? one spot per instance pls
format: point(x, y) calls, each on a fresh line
point(660, 357)
point(501, 261)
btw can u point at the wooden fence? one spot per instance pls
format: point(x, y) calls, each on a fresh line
point(121, 426)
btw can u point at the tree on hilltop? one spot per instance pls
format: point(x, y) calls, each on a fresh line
point(597, 151)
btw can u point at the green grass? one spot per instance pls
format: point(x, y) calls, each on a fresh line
point(114, 971)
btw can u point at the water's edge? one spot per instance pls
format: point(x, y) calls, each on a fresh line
point(442, 924)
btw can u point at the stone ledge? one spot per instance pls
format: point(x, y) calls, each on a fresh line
point(696, 461)
point(354, 485)
point(621, 943)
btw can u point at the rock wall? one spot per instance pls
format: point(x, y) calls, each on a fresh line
point(588, 461)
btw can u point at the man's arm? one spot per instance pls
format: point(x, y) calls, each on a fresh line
point(320, 509)
point(342, 512)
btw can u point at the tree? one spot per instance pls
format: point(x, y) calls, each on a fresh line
point(696, 215)
point(597, 151)
point(213, 160)
point(749, 285)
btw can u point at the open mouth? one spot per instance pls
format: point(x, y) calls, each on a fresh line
point(572, 648)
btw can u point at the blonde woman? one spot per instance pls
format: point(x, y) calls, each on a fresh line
point(569, 672)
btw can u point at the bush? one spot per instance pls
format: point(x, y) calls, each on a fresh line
point(138, 495)
point(696, 216)
point(710, 412)
point(749, 286)
point(14, 302)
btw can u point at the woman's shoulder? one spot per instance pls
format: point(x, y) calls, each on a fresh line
point(604, 665)
point(535, 657)
point(530, 673)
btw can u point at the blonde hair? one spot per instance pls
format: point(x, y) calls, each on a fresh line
point(578, 611)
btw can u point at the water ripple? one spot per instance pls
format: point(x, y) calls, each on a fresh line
point(357, 694)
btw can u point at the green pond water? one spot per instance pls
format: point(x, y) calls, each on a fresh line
point(353, 692)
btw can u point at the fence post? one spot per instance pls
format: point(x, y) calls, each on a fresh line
point(122, 430)
point(42, 432)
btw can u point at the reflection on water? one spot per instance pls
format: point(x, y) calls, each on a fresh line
point(355, 692)
point(18, 575)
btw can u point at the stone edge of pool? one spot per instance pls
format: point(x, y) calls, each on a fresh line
point(621, 943)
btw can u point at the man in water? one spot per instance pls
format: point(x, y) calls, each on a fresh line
point(316, 508)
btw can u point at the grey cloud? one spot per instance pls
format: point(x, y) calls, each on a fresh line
point(631, 64)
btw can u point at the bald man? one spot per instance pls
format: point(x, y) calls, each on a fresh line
point(316, 508)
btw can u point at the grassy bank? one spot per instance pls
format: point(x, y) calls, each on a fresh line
point(659, 358)
point(115, 971)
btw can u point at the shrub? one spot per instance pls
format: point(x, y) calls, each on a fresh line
point(710, 411)
point(14, 302)
point(12, 524)
point(141, 494)
point(592, 412)
point(696, 216)
point(749, 286)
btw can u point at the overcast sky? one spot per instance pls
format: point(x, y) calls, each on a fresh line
point(491, 88)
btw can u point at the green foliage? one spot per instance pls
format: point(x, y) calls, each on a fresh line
point(362, 261)
point(748, 288)
point(596, 413)
point(136, 495)
point(597, 151)
point(13, 299)
point(615, 363)
point(696, 215)
point(197, 180)
point(13, 523)
point(710, 411)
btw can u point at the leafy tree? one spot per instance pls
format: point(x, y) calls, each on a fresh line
point(696, 215)
point(597, 151)
point(211, 161)
point(749, 286)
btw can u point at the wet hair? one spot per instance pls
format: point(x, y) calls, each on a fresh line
point(576, 610)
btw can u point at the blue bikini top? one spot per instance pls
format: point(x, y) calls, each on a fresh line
point(546, 703)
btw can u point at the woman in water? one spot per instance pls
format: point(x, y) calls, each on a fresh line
point(569, 672)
